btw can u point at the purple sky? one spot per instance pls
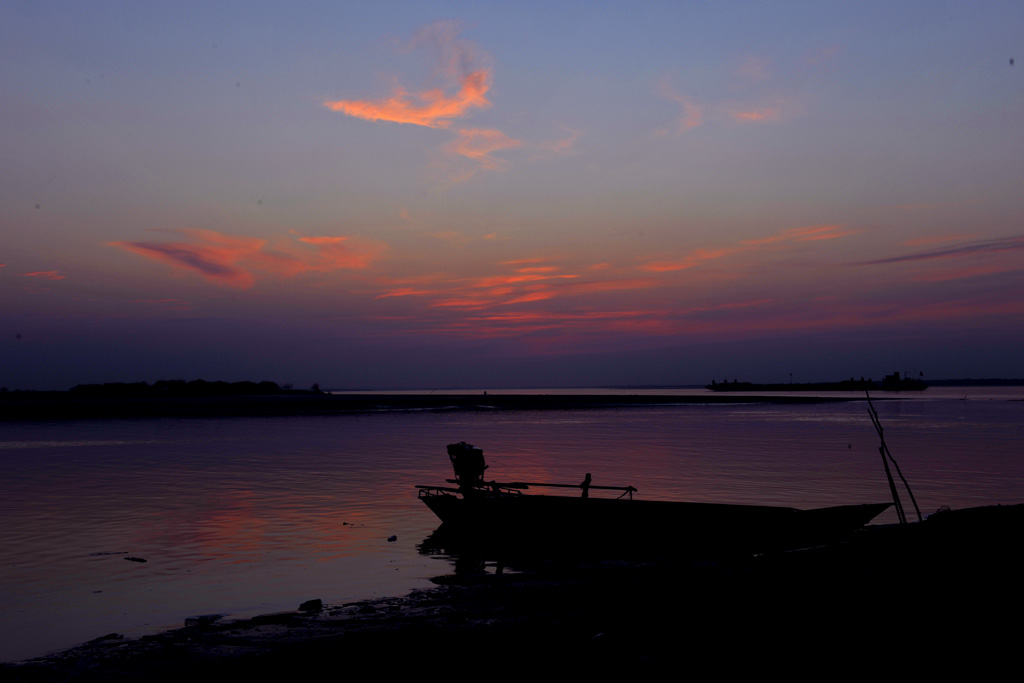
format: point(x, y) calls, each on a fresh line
point(421, 195)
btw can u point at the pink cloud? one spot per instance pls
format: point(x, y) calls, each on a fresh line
point(808, 233)
point(563, 146)
point(925, 241)
point(334, 253)
point(479, 145)
point(811, 233)
point(457, 61)
point(45, 274)
point(694, 258)
point(231, 259)
point(431, 108)
point(404, 291)
point(692, 113)
point(756, 115)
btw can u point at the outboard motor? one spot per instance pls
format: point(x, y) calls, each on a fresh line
point(468, 463)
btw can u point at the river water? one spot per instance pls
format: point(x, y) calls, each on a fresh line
point(245, 516)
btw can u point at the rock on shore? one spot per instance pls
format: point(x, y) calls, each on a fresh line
point(939, 597)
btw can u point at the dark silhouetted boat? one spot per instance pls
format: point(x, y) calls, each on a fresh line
point(503, 515)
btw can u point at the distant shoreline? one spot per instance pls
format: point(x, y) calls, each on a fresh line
point(115, 401)
point(62, 405)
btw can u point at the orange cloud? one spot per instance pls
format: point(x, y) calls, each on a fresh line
point(517, 262)
point(229, 259)
point(692, 113)
point(516, 282)
point(461, 303)
point(404, 291)
point(694, 258)
point(539, 295)
point(563, 146)
point(771, 109)
point(341, 252)
point(925, 241)
point(497, 280)
point(45, 274)
point(700, 256)
point(479, 144)
point(457, 62)
point(756, 115)
point(431, 108)
point(805, 234)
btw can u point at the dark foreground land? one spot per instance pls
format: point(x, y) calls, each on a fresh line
point(939, 597)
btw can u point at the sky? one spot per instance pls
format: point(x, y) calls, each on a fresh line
point(509, 194)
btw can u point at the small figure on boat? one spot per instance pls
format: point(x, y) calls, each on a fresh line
point(585, 485)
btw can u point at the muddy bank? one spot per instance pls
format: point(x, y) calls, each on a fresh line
point(940, 596)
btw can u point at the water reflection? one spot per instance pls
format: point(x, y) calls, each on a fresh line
point(252, 515)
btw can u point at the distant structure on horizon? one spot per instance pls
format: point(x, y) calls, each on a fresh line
point(893, 382)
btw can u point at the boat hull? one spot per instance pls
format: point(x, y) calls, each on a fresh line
point(556, 522)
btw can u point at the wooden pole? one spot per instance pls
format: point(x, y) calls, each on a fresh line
point(883, 449)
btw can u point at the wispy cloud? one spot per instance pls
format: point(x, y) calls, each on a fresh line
point(232, 260)
point(210, 254)
point(458, 64)
point(756, 115)
point(770, 108)
point(986, 246)
point(334, 253)
point(45, 274)
point(691, 116)
point(465, 75)
point(696, 257)
point(479, 145)
point(938, 239)
point(754, 69)
point(513, 283)
point(810, 233)
point(557, 148)
point(431, 108)
point(165, 304)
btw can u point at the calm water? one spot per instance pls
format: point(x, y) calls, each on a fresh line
point(248, 516)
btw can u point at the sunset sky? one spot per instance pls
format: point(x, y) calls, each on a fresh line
point(432, 195)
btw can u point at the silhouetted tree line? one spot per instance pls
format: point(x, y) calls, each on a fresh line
point(179, 387)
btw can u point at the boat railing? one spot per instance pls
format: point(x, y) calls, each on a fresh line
point(487, 488)
point(626, 490)
point(517, 487)
point(428, 491)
